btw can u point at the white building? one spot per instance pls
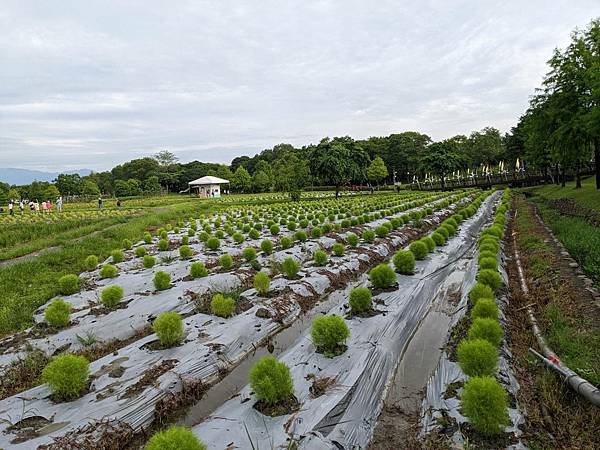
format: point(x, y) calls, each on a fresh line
point(208, 187)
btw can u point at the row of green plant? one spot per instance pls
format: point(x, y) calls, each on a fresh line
point(483, 399)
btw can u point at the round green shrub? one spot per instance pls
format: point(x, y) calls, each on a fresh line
point(108, 271)
point(140, 251)
point(271, 380)
point(404, 262)
point(484, 402)
point(185, 252)
point(254, 233)
point(162, 280)
point(478, 291)
point(290, 267)
point(352, 239)
point(419, 249)
point(429, 242)
point(175, 438)
point(338, 249)
point(213, 243)
point(477, 357)
point(226, 261)
point(438, 238)
point(147, 238)
point(67, 376)
point(487, 246)
point(58, 313)
point(300, 236)
point(262, 283)
point(198, 270)
point(360, 300)
point(486, 254)
point(117, 256)
point(127, 244)
point(249, 254)
point(168, 326)
point(291, 225)
point(111, 295)
point(320, 258)
point(266, 246)
point(382, 276)
point(490, 278)
point(238, 237)
point(68, 284)
point(274, 229)
point(222, 306)
point(485, 308)
point(91, 262)
point(203, 236)
point(316, 232)
point(328, 333)
point(185, 240)
point(163, 245)
point(488, 263)
point(285, 242)
point(443, 231)
point(149, 261)
point(488, 329)
point(381, 231)
point(368, 236)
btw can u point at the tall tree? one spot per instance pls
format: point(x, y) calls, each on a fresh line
point(241, 181)
point(441, 158)
point(377, 170)
point(290, 174)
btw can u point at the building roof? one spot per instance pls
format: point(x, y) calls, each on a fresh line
point(208, 180)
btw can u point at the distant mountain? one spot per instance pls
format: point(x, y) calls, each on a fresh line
point(19, 177)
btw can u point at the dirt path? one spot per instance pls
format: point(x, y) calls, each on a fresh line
point(556, 416)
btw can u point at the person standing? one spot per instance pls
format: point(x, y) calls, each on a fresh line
point(21, 206)
point(99, 202)
point(11, 208)
point(59, 204)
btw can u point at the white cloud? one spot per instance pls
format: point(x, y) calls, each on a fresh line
point(95, 83)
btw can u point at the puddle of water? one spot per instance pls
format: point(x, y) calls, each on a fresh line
point(238, 377)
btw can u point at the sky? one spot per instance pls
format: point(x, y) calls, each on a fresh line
point(92, 84)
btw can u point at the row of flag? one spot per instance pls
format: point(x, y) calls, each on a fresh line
point(484, 169)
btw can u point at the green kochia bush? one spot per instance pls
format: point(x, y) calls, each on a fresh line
point(488, 263)
point(168, 326)
point(271, 380)
point(266, 246)
point(175, 438)
point(290, 267)
point(429, 242)
point(262, 283)
point(368, 235)
point(91, 262)
point(490, 277)
point(249, 253)
point(108, 271)
point(419, 249)
point(360, 300)
point(162, 280)
point(198, 270)
point(484, 402)
point(338, 249)
point(352, 239)
point(226, 261)
point(438, 238)
point(328, 333)
point(117, 256)
point(485, 308)
point(404, 261)
point(477, 357)
point(163, 245)
point(140, 251)
point(382, 276)
point(127, 244)
point(488, 329)
point(320, 258)
point(213, 243)
point(67, 376)
point(185, 252)
point(147, 237)
point(480, 290)
point(111, 295)
point(222, 306)
point(68, 284)
point(285, 242)
point(149, 261)
point(57, 313)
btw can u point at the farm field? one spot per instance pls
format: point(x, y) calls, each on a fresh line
point(169, 313)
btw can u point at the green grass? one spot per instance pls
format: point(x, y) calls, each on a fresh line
point(26, 286)
point(587, 196)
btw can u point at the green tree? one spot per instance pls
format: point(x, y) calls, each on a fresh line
point(121, 188)
point(152, 185)
point(261, 182)
point(338, 161)
point(169, 171)
point(241, 181)
point(135, 187)
point(68, 184)
point(441, 158)
point(90, 189)
point(290, 174)
point(14, 194)
point(377, 170)
point(51, 192)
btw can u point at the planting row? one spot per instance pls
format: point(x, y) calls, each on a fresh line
point(132, 384)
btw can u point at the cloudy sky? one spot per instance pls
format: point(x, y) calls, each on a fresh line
point(90, 84)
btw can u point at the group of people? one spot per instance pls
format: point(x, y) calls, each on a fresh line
point(34, 206)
